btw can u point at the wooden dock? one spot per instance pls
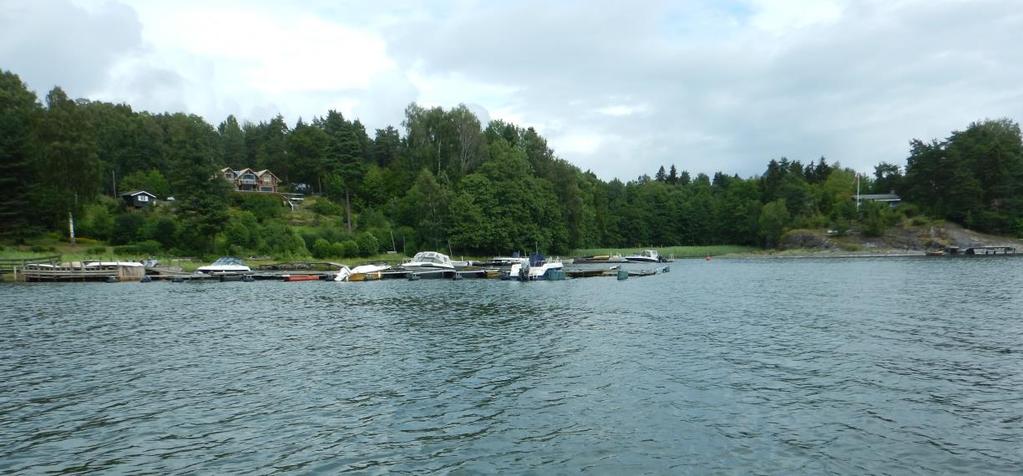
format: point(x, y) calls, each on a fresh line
point(980, 250)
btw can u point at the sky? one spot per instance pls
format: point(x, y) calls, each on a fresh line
point(618, 88)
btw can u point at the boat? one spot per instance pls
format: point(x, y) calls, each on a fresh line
point(645, 256)
point(301, 277)
point(366, 272)
point(110, 271)
point(225, 265)
point(538, 268)
point(935, 252)
point(426, 260)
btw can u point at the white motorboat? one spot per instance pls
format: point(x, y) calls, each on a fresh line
point(426, 260)
point(366, 272)
point(645, 256)
point(225, 265)
point(538, 269)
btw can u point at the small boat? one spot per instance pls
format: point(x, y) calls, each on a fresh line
point(645, 256)
point(366, 272)
point(935, 252)
point(225, 265)
point(537, 269)
point(110, 271)
point(428, 260)
point(301, 277)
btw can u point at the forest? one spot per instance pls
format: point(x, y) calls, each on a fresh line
point(442, 181)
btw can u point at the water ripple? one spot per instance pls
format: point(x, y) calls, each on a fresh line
point(802, 366)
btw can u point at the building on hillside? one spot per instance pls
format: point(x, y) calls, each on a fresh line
point(138, 199)
point(248, 180)
point(891, 199)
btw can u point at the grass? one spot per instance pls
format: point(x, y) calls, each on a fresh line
point(669, 251)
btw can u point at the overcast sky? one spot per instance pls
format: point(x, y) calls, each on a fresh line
point(617, 87)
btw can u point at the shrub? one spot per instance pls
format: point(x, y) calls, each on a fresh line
point(323, 206)
point(349, 249)
point(148, 247)
point(262, 206)
point(322, 249)
point(42, 249)
point(368, 244)
point(96, 250)
point(126, 228)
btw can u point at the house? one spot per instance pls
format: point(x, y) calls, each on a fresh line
point(248, 180)
point(138, 199)
point(890, 198)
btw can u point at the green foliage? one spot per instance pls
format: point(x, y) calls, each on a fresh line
point(151, 181)
point(974, 177)
point(19, 115)
point(97, 220)
point(445, 180)
point(322, 249)
point(877, 217)
point(325, 207)
point(126, 228)
point(773, 218)
point(263, 206)
point(147, 247)
point(367, 243)
point(348, 249)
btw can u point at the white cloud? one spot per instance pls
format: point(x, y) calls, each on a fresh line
point(620, 110)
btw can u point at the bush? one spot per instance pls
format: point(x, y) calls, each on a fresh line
point(96, 250)
point(322, 249)
point(261, 205)
point(349, 249)
point(148, 247)
point(126, 228)
point(325, 207)
point(368, 244)
point(42, 249)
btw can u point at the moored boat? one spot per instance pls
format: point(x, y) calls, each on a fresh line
point(645, 256)
point(366, 272)
point(225, 265)
point(110, 271)
point(425, 260)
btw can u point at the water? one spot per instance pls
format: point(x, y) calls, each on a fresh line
point(769, 366)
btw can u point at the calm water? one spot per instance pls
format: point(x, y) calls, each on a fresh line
point(771, 366)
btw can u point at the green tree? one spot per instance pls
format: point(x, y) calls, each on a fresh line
point(68, 165)
point(19, 113)
point(774, 217)
point(232, 144)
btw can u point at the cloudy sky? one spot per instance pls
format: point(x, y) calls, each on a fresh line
point(617, 87)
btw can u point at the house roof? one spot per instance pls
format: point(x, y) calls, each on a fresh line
point(880, 197)
point(263, 172)
point(137, 192)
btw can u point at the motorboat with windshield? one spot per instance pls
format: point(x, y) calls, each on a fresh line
point(225, 265)
point(428, 260)
point(645, 256)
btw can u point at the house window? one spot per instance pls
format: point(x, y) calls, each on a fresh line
point(143, 198)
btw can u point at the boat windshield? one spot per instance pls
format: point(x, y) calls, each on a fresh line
point(430, 257)
point(227, 261)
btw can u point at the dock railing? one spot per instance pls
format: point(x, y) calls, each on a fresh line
point(9, 265)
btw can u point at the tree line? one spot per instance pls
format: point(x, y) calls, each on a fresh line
point(442, 181)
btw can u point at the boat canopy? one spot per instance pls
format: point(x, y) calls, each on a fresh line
point(430, 258)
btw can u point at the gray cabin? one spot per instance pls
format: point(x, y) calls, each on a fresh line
point(138, 199)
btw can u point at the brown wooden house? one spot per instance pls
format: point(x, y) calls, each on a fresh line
point(248, 180)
